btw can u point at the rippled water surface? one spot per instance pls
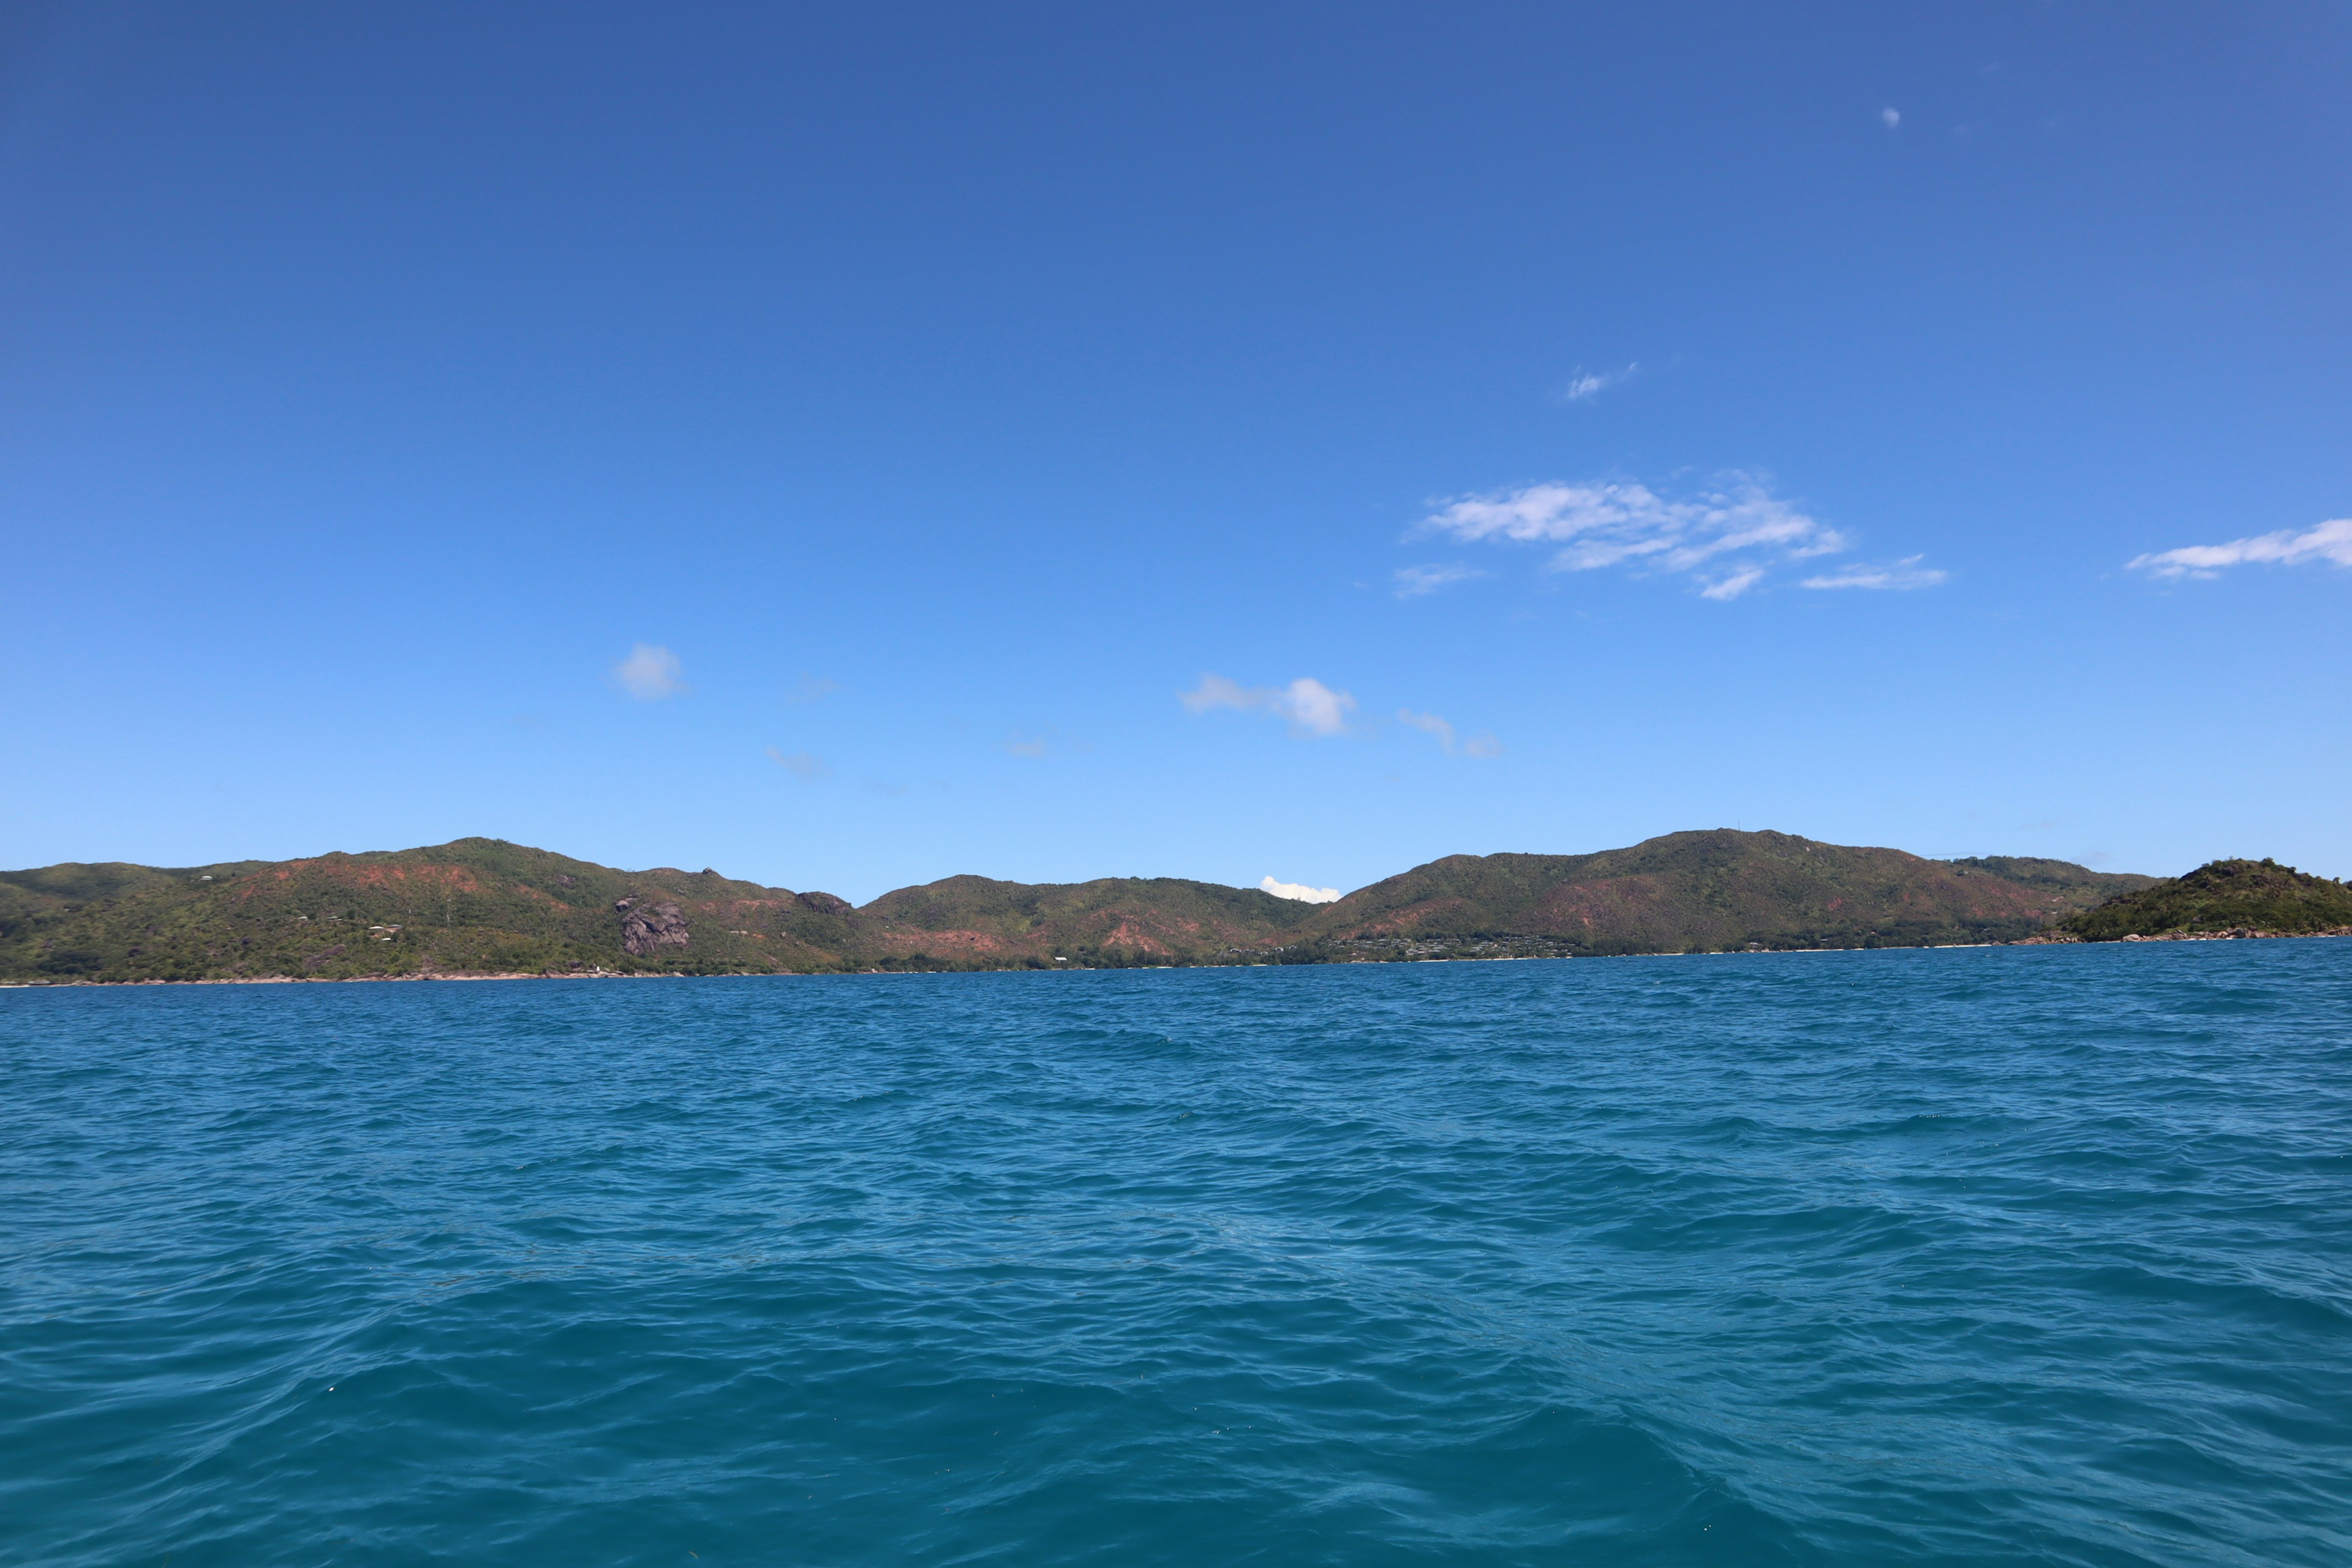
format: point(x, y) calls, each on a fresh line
point(1970, 1256)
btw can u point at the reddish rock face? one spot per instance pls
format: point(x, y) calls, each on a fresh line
point(656, 925)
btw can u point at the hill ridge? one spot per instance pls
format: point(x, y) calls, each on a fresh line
point(2220, 898)
point(479, 905)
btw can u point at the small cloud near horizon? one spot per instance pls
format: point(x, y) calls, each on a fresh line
point(650, 673)
point(807, 766)
point(1412, 582)
point(2330, 541)
point(1902, 574)
point(1726, 539)
point(1586, 385)
point(1301, 891)
point(1481, 745)
point(1311, 707)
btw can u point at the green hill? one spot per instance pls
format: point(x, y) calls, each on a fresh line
point(1712, 891)
point(2247, 896)
point(1115, 921)
point(49, 888)
point(484, 906)
point(478, 905)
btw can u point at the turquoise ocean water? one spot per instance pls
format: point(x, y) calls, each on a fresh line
point(1998, 1256)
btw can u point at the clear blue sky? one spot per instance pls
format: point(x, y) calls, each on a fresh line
point(828, 444)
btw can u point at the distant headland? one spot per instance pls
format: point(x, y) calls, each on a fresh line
point(486, 907)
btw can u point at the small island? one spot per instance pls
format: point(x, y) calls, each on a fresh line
point(2219, 899)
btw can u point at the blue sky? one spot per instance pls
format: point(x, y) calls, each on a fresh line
point(850, 446)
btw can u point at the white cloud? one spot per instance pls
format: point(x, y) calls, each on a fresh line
point(1728, 538)
point(1905, 574)
point(1478, 745)
point(649, 673)
point(1429, 724)
point(1414, 581)
point(1301, 891)
point(804, 766)
point(2329, 540)
point(1892, 118)
point(1586, 385)
point(1733, 583)
point(1312, 708)
point(1316, 708)
point(811, 689)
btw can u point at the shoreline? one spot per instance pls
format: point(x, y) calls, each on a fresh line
point(2036, 941)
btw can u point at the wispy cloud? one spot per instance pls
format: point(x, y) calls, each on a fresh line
point(1412, 582)
point(1312, 708)
point(1479, 745)
point(1585, 385)
point(811, 689)
point(807, 766)
point(1429, 724)
point(650, 673)
point(1301, 891)
point(2329, 540)
point(1045, 742)
point(1890, 118)
point(1727, 537)
point(1905, 574)
point(1732, 585)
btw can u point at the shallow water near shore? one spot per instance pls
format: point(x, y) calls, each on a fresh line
point(1994, 1255)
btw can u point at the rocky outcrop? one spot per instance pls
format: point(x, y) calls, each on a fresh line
point(823, 903)
point(645, 927)
point(2235, 933)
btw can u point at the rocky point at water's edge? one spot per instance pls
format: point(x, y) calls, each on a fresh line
point(2240, 933)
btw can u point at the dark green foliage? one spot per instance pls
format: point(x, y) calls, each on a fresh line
point(2055, 875)
point(484, 906)
point(1112, 922)
point(1711, 892)
point(973, 903)
point(2221, 895)
point(476, 906)
point(49, 888)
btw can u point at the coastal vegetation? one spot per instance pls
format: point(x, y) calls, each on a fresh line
point(2231, 898)
point(1708, 892)
point(481, 906)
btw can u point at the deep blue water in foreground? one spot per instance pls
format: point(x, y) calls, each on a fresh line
point(1971, 1256)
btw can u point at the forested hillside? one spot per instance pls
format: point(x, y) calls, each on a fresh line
point(484, 906)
